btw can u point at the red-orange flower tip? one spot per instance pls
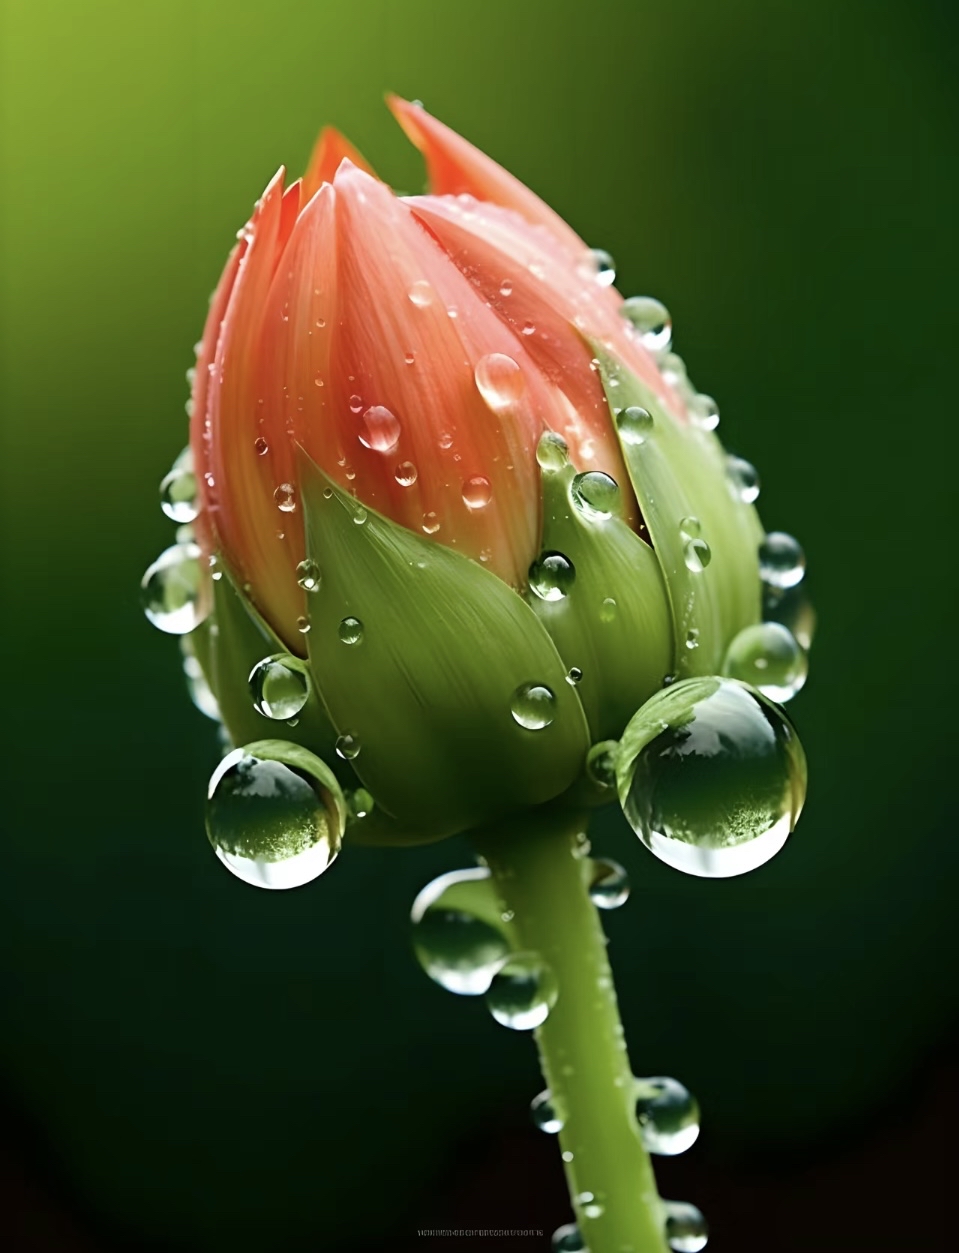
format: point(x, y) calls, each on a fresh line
point(329, 151)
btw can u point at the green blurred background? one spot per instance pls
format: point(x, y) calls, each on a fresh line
point(188, 1063)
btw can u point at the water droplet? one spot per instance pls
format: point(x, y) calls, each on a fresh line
point(545, 1114)
point(768, 657)
point(477, 492)
point(704, 412)
point(178, 495)
point(595, 494)
point(601, 763)
point(360, 803)
point(446, 440)
point(350, 631)
point(686, 1229)
point(532, 706)
point(356, 403)
point(457, 934)
point(552, 451)
point(409, 358)
point(280, 686)
point(599, 266)
point(743, 479)
point(506, 288)
point(574, 675)
point(421, 293)
point(196, 684)
point(792, 607)
point(285, 497)
point(380, 429)
point(690, 528)
point(692, 638)
point(673, 369)
point(499, 380)
point(308, 575)
point(668, 1115)
point(551, 576)
point(635, 424)
point(567, 1154)
point(522, 992)
point(171, 590)
point(651, 321)
point(607, 610)
point(782, 562)
point(261, 447)
point(589, 1205)
point(347, 747)
point(406, 474)
point(608, 884)
point(567, 1239)
point(359, 516)
point(273, 823)
point(697, 555)
point(711, 777)
point(303, 624)
point(529, 328)
point(431, 523)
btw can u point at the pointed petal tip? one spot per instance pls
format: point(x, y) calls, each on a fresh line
point(331, 149)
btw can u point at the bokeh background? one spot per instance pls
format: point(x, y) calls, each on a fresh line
point(191, 1064)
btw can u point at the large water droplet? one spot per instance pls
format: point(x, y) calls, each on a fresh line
point(697, 555)
point(546, 1114)
point(686, 1229)
point(523, 992)
point(608, 884)
point(743, 479)
point(668, 1115)
point(782, 562)
point(768, 657)
point(458, 935)
point(273, 823)
point(350, 631)
point(651, 321)
point(347, 746)
point(285, 497)
point(171, 590)
point(567, 1239)
point(406, 474)
point(595, 494)
point(499, 380)
point(532, 706)
point(477, 492)
point(178, 495)
point(552, 451)
point(308, 575)
point(379, 429)
point(711, 777)
point(635, 424)
point(280, 686)
point(551, 576)
point(421, 293)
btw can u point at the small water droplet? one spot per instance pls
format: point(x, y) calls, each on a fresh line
point(782, 562)
point(431, 523)
point(532, 706)
point(308, 575)
point(608, 884)
point(522, 992)
point(350, 631)
point(446, 440)
point(356, 403)
point(477, 492)
point(792, 607)
point(595, 494)
point(197, 686)
point(673, 369)
point(697, 555)
point(359, 516)
point(598, 266)
point(712, 777)
point(171, 590)
point(421, 293)
point(601, 763)
point(303, 624)
point(360, 803)
point(409, 358)
point(178, 495)
point(406, 474)
point(457, 935)
point(743, 479)
point(551, 576)
point(668, 1115)
point(506, 288)
point(686, 1229)
point(567, 1239)
point(499, 381)
point(768, 657)
point(607, 610)
point(280, 686)
point(704, 412)
point(690, 528)
point(529, 328)
point(545, 1113)
point(261, 447)
point(574, 675)
point(635, 424)
point(651, 321)
point(567, 1154)
point(552, 451)
point(692, 638)
point(285, 497)
point(380, 429)
point(347, 747)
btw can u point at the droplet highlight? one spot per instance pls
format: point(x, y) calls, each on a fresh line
point(533, 706)
point(551, 576)
point(280, 686)
point(522, 992)
point(635, 425)
point(350, 631)
point(499, 381)
point(668, 1115)
point(458, 934)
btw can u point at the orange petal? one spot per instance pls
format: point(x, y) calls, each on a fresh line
point(329, 150)
point(456, 168)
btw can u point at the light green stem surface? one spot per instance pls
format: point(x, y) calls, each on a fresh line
point(542, 878)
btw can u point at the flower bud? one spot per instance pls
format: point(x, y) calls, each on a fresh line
point(465, 512)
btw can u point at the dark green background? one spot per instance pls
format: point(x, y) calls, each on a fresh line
point(191, 1063)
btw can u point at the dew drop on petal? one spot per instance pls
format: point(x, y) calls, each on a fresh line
point(171, 590)
point(260, 446)
point(477, 492)
point(704, 412)
point(280, 687)
point(551, 576)
point(431, 523)
point(421, 293)
point(308, 575)
point(532, 706)
point(598, 266)
point(178, 495)
point(782, 562)
point(347, 746)
point(650, 319)
point(768, 657)
point(499, 381)
point(406, 474)
point(635, 424)
point(743, 479)
point(697, 555)
point(552, 452)
point(380, 429)
point(595, 494)
point(350, 631)
point(285, 497)
point(458, 935)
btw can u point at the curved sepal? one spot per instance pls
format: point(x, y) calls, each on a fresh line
point(678, 472)
point(425, 689)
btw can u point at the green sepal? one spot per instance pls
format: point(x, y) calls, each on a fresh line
point(679, 471)
point(614, 624)
point(427, 690)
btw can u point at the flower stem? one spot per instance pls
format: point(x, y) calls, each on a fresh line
point(541, 875)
